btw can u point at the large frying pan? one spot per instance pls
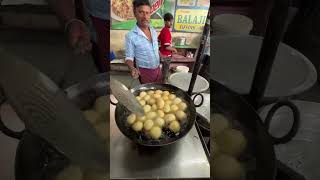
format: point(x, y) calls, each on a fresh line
point(121, 114)
point(260, 142)
point(35, 158)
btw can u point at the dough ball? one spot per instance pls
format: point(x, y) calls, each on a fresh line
point(169, 118)
point(227, 168)
point(142, 102)
point(101, 129)
point(232, 142)
point(138, 98)
point(169, 102)
point(166, 93)
point(148, 124)
point(160, 113)
point(174, 108)
point(219, 124)
point(166, 108)
point(155, 132)
point(177, 101)
point(151, 115)
point(181, 115)
point(174, 126)
point(165, 98)
point(160, 103)
point(101, 104)
point(158, 91)
point(70, 173)
point(152, 101)
point(92, 116)
point(142, 94)
point(147, 97)
point(150, 92)
point(157, 96)
point(159, 122)
point(154, 107)
point(137, 126)
point(141, 118)
point(131, 118)
point(147, 108)
point(182, 106)
point(172, 96)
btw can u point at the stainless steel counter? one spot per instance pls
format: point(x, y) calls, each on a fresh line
point(184, 159)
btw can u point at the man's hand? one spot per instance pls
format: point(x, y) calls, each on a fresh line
point(135, 73)
point(79, 37)
point(174, 50)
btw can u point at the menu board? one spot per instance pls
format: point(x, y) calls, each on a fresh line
point(189, 15)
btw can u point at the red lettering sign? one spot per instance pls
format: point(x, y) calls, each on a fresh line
point(156, 5)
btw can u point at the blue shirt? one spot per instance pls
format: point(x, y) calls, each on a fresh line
point(98, 8)
point(138, 46)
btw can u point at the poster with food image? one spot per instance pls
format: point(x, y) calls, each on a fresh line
point(121, 10)
point(123, 17)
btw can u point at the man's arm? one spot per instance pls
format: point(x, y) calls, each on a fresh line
point(172, 49)
point(129, 58)
point(78, 32)
point(130, 64)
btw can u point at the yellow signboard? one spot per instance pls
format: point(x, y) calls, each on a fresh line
point(190, 20)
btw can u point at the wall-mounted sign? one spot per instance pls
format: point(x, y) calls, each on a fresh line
point(190, 20)
point(190, 15)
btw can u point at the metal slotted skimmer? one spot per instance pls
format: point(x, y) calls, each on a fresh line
point(47, 112)
point(125, 97)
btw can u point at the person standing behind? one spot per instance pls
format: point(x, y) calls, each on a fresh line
point(165, 37)
point(141, 46)
point(166, 48)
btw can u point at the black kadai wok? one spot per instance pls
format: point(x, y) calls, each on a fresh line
point(38, 160)
point(258, 160)
point(168, 137)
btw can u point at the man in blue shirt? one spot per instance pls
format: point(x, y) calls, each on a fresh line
point(78, 33)
point(141, 45)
